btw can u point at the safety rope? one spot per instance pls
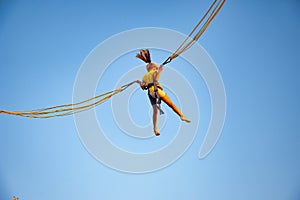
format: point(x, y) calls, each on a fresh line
point(189, 41)
point(69, 109)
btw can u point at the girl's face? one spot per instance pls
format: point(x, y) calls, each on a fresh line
point(151, 66)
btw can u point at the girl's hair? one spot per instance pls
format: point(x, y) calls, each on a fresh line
point(144, 55)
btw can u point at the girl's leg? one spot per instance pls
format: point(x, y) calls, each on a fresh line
point(155, 115)
point(169, 102)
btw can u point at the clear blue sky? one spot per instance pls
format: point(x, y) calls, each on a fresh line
point(255, 45)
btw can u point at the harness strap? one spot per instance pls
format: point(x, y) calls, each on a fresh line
point(158, 102)
point(161, 112)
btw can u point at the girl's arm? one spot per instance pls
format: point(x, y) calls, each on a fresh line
point(141, 83)
point(157, 76)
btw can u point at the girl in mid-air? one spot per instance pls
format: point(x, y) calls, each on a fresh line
point(155, 91)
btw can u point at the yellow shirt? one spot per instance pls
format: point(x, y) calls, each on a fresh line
point(149, 77)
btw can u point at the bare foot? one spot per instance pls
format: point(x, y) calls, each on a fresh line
point(183, 118)
point(157, 133)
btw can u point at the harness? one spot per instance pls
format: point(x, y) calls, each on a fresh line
point(156, 85)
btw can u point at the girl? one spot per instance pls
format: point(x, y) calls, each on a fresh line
point(155, 91)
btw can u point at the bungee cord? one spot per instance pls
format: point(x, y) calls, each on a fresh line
point(69, 109)
point(210, 14)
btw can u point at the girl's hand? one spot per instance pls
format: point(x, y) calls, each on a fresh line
point(160, 68)
point(142, 84)
point(138, 81)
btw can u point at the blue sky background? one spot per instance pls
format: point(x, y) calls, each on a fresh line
point(255, 45)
